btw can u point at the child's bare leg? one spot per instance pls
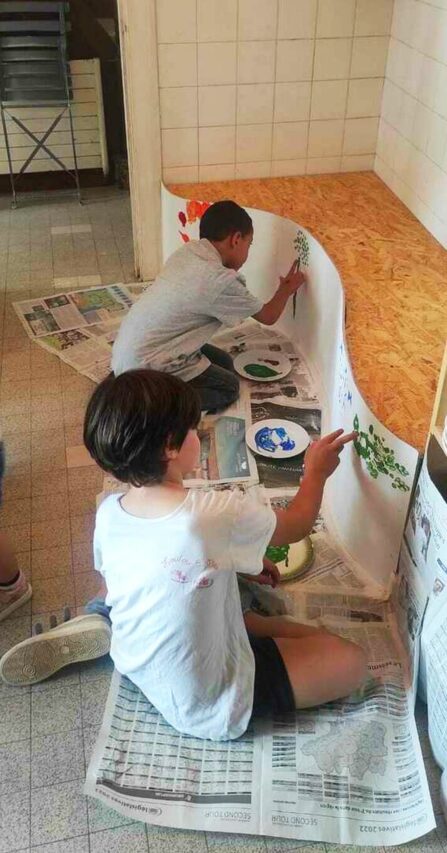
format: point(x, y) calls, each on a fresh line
point(8, 562)
point(278, 626)
point(321, 666)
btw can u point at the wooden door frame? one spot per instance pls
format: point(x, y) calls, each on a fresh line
point(138, 40)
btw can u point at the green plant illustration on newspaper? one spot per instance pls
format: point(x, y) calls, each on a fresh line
point(378, 457)
point(301, 245)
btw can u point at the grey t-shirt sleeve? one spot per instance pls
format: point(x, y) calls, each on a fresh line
point(234, 303)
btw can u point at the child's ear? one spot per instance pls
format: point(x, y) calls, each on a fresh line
point(170, 453)
point(235, 237)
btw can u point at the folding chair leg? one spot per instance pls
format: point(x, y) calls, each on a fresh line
point(8, 153)
point(75, 160)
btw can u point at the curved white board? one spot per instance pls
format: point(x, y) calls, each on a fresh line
point(366, 500)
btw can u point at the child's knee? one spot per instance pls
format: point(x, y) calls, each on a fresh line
point(353, 660)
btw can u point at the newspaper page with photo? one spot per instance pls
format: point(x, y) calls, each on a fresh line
point(349, 772)
point(224, 455)
point(62, 312)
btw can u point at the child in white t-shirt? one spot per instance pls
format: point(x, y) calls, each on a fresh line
point(169, 558)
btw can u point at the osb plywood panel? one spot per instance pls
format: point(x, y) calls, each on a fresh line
point(395, 278)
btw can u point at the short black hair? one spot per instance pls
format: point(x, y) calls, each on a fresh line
point(224, 218)
point(133, 418)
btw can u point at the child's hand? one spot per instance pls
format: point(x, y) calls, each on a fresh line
point(293, 280)
point(323, 457)
point(269, 576)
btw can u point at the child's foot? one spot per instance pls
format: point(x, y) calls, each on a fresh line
point(14, 595)
point(81, 639)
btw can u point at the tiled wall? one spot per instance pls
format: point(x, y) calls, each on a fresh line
point(255, 88)
point(412, 142)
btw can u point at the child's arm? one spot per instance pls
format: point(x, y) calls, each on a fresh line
point(288, 285)
point(321, 460)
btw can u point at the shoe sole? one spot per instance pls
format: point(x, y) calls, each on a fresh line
point(15, 604)
point(83, 638)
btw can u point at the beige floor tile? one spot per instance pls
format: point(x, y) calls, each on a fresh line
point(48, 461)
point(82, 527)
point(15, 425)
point(51, 594)
point(45, 535)
point(16, 511)
point(81, 503)
point(17, 486)
point(82, 556)
point(78, 456)
point(20, 536)
point(88, 479)
point(47, 562)
point(49, 482)
point(73, 435)
point(48, 507)
point(86, 586)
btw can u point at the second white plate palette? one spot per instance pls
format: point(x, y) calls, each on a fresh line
point(262, 365)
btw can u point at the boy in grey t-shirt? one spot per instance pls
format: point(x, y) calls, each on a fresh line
point(197, 291)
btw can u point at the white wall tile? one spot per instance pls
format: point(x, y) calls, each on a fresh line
point(404, 13)
point(364, 97)
point(335, 18)
point(216, 145)
point(406, 115)
point(329, 99)
point(261, 169)
point(323, 165)
point(297, 19)
point(429, 81)
point(181, 174)
point(178, 107)
point(257, 19)
point(436, 147)
point(373, 17)
point(391, 102)
point(290, 140)
point(216, 20)
point(358, 163)
point(421, 124)
point(369, 56)
point(255, 103)
point(216, 63)
point(217, 105)
point(253, 143)
point(294, 60)
point(288, 167)
point(217, 172)
point(177, 64)
point(332, 59)
point(325, 138)
point(440, 99)
point(256, 61)
point(292, 101)
point(179, 147)
point(176, 21)
point(360, 136)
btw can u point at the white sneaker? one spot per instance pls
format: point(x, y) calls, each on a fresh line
point(81, 639)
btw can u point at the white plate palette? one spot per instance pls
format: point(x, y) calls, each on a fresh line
point(277, 438)
point(262, 365)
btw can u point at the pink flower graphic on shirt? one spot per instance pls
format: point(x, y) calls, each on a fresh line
point(204, 582)
point(179, 576)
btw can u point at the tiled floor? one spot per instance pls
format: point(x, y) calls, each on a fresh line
point(47, 732)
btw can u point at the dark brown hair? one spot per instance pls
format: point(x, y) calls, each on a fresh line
point(133, 418)
point(224, 218)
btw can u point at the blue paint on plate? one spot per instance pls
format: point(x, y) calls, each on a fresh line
point(271, 440)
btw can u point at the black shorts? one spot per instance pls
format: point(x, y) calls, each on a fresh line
point(273, 692)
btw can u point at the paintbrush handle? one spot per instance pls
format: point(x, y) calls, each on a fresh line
point(294, 295)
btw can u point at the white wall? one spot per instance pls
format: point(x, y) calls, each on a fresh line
point(255, 88)
point(412, 144)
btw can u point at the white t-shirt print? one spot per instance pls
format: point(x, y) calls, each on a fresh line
point(177, 626)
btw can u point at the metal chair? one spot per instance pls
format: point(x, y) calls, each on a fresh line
point(34, 72)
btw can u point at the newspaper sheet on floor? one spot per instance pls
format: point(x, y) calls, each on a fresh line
point(350, 772)
point(80, 327)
